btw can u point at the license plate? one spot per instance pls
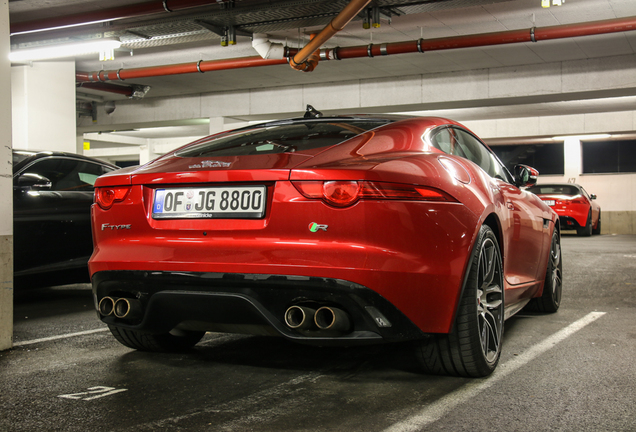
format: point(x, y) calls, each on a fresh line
point(550, 202)
point(229, 202)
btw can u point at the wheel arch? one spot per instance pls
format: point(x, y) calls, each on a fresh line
point(493, 222)
point(556, 227)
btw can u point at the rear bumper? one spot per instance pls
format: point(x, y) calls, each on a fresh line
point(251, 303)
point(572, 216)
point(568, 222)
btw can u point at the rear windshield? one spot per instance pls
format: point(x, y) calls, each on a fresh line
point(555, 190)
point(281, 137)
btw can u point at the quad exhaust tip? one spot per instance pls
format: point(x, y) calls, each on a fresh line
point(124, 308)
point(325, 318)
point(300, 317)
point(333, 319)
point(106, 306)
point(127, 308)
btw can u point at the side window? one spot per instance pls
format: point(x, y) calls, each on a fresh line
point(475, 151)
point(446, 141)
point(443, 141)
point(68, 174)
point(585, 193)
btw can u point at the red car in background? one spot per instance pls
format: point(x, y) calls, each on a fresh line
point(575, 207)
point(327, 230)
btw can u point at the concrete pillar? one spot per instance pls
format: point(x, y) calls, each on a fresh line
point(573, 159)
point(6, 185)
point(43, 101)
point(147, 152)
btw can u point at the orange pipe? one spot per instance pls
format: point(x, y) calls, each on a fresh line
point(299, 62)
point(176, 69)
point(485, 39)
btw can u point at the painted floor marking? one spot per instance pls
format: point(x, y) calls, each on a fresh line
point(442, 406)
point(64, 336)
point(101, 392)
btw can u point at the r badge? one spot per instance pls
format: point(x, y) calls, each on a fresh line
point(314, 227)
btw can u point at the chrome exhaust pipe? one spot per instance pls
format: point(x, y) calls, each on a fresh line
point(331, 318)
point(299, 317)
point(127, 308)
point(106, 306)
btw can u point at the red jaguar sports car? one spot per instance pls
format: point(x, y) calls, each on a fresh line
point(576, 208)
point(327, 230)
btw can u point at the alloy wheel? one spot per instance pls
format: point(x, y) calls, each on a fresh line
point(490, 300)
point(557, 282)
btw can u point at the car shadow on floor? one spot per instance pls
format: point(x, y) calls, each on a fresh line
point(52, 301)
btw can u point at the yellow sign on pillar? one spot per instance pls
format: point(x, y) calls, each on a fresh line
point(87, 145)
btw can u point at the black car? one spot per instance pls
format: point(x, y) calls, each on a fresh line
point(52, 196)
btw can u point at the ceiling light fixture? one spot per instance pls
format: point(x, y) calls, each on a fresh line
point(101, 46)
point(582, 137)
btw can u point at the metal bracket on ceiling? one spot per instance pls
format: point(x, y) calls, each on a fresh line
point(532, 38)
point(419, 46)
point(141, 35)
point(199, 66)
point(220, 31)
point(369, 50)
point(165, 6)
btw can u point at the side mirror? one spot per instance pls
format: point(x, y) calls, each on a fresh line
point(592, 196)
point(32, 181)
point(525, 176)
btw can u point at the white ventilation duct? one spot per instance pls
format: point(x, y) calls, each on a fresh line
point(267, 49)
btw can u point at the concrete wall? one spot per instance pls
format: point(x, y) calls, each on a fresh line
point(43, 112)
point(558, 82)
point(6, 186)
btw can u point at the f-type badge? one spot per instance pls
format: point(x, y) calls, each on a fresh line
point(210, 164)
point(314, 227)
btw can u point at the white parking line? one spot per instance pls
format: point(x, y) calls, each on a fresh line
point(441, 407)
point(64, 336)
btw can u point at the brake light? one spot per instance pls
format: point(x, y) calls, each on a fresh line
point(343, 193)
point(106, 197)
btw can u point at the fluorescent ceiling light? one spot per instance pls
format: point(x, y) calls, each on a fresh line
point(582, 137)
point(64, 50)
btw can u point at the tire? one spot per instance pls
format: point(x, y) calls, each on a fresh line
point(550, 300)
point(177, 340)
point(473, 347)
point(586, 231)
point(597, 230)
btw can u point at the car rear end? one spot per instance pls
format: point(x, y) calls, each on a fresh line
point(573, 210)
point(274, 244)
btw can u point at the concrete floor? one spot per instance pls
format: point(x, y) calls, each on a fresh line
point(571, 371)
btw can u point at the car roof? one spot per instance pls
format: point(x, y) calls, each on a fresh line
point(32, 155)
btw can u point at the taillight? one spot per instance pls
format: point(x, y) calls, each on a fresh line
point(106, 197)
point(573, 201)
point(343, 193)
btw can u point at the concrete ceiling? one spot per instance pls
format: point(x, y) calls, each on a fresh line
point(164, 39)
